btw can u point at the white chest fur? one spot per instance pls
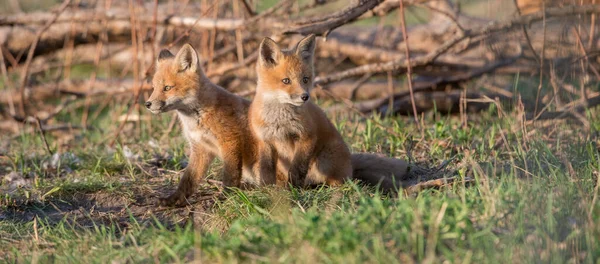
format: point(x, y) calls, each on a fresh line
point(281, 123)
point(197, 134)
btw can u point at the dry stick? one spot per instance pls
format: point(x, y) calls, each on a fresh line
point(271, 10)
point(351, 106)
point(36, 39)
point(134, 99)
point(153, 45)
point(213, 37)
point(7, 82)
point(585, 54)
point(526, 34)
point(339, 14)
point(483, 30)
point(446, 14)
point(238, 33)
point(189, 30)
point(69, 46)
point(99, 45)
point(249, 59)
point(592, 29)
point(142, 64)
point(153, 32)
point(205, 38)
point(390, 91)
point(43, 135)
point(325, 24)
point(249, 9)
point(357, 85)
point(9, 57)
point(579, 116)
point(408, 68)
point(539, 89)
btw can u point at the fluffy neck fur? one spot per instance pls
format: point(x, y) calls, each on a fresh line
point(204, 96)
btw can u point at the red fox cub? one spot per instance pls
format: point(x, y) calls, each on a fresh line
point(213, 120)
point(295, 136)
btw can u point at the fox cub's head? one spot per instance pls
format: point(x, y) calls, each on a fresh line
point(286, 76)
point(176, 80)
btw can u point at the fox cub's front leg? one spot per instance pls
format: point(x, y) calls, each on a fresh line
point(267, 163)
point(301, 161)
point(196, 169)
point(232, 166)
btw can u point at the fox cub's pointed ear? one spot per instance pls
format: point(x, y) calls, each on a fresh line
point(164, 54)
point(269, 52)
point(187, 58)
point(306, 48)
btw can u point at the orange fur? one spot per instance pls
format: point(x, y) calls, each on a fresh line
point(295, 136)
point(214, 122)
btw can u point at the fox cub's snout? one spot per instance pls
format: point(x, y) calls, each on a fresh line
point(175, 81)
point(286, 76)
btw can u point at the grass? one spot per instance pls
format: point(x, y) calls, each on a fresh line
point(97, 206)
point(534, 197)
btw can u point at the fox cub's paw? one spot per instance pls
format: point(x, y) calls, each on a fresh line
point(175, 199)
point(296, 176)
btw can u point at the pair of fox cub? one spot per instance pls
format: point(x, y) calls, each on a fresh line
point(280, 137)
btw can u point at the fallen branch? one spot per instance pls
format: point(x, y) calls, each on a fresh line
point(401, 64)
point(322, 24)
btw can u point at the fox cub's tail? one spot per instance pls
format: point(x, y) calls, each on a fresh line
point(374, 170)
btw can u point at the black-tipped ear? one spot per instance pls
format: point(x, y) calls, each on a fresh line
point(269, 52)
point(306, 48)
point(164, 54)
point(187, 58)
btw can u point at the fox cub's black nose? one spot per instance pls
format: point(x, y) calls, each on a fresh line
point(304, 97)
point(148, 104)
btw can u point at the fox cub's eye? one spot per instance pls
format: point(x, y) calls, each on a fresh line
point(167, 87)
point(286, 81)
point(305, 79)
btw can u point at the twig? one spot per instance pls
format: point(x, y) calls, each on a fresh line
point(390, 90)
point(443, 12)
point(401, 64)
point(568, 110)
point(238, 34)
point(189, 30)
point(592, 29)
point(357, 85)
point(135, 98)
point(585, 53)
point(38, 35)
point(249, 9)
point(408, 68)
point(213, 36)
point(444, 81)
point(526, 34)
point(351, 106)
point(325, 24)
point(539, 89)
point(7, 82)
point(249, 59)
point(43, 136)
point(99, 45)
point(281, 5)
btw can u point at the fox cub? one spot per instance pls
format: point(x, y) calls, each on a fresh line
point(213, 121)
point(216, 124)
point(295, 136)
